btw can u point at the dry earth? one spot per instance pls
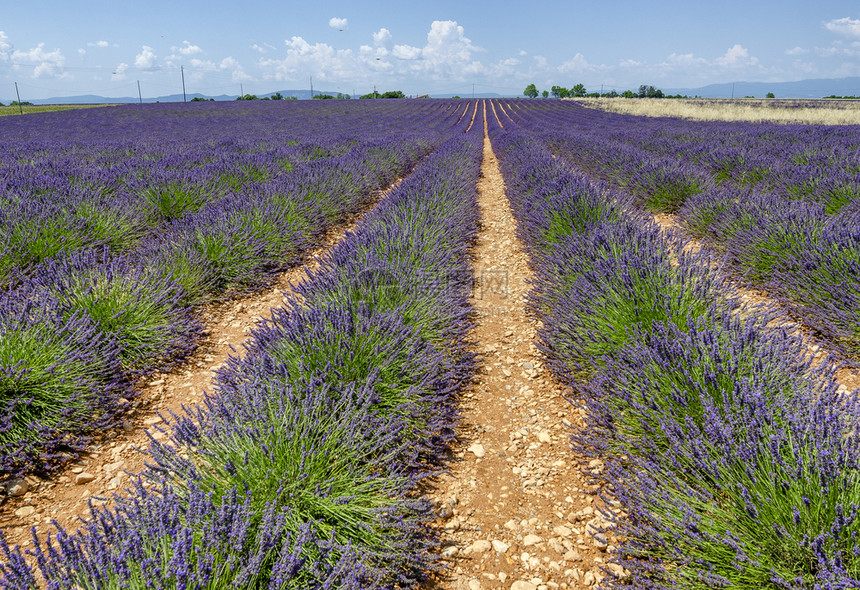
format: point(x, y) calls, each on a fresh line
point(516, 509)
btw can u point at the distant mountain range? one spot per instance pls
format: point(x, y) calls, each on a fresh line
point(815, 88)
point(95, 99)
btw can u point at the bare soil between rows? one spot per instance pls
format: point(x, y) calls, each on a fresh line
point(516, 509)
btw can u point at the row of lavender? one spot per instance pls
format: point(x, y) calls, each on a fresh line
point(794, 230)
point(106, 188)
point(818, 163)
point(300, 469)
point(735, 463)
point(88, 318)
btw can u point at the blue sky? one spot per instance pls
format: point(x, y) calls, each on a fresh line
point(102, 47)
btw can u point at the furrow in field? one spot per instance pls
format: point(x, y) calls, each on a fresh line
point(515, 503)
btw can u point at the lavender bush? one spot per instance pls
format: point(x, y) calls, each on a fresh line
point(733, 459)
point(298, 470)
point(58, 382)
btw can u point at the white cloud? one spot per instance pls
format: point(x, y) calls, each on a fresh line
point(237, 73)
point(796, 51)
point(382, 38)
point(446, 43)
point(48, 63)
point(5, 46)
point(447, 54)
point(844, 26)
point(187, 49)
point(320, 60)
point(145, 60)
point(685, 60)
point(577, 63)
point(338, 23)
point(406, 52)
point(201, 64)
point(119, 72)
point(523, 53)
point(264, 48)
point(736, 56)
point(100, 44)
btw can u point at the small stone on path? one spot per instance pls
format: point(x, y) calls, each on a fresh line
point(83, 478)
point(477, 449)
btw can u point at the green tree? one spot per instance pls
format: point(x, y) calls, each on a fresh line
point(545, 94)
point(770, 95)
point(277, 96)
point(629, 94)
point(531, 91)
point(578, 90)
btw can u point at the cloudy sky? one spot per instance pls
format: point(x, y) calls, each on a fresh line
point(60, 48)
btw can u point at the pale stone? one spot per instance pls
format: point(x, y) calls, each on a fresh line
point(474, 584)
point(500, 546)
point(481, 546)
point(545, 437)
point(523, 585)
point(17, 487)
point(530, 540)
point(83, 478)
point(24, 511)
point(477, 449)
point(588, 579)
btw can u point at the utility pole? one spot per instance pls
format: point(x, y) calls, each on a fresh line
point(182, 69)
point(473, 90)
point(312, 86)
point(139, 95)
point(733, 90)
point(18, 94)
point(241, 90)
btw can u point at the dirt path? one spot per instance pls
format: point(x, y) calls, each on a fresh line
point(515, 506)
point(103, 469)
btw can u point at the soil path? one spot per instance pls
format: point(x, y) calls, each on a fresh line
point(515, 507)
point(103, 470)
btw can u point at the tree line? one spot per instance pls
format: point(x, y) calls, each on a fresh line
point(579, 90)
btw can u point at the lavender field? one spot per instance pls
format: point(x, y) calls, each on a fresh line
point(731, 453)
